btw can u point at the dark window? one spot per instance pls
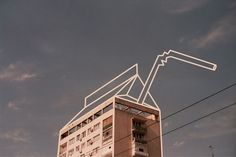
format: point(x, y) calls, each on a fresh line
point(141, 150)
point(107, 108)
point(64, 135)
point(98, 114)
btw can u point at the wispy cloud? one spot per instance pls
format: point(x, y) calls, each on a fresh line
point(17, 72)
point(166, 124)
point(16, 104)
point(220, 31)
point(178, 143)
point(17, 135)
point(12, 105)
point(182, 6)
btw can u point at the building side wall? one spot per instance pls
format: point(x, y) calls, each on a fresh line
point(122, 134)
point(153, 137)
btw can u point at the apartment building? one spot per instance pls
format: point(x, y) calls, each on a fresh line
point(125, 125)
point(115, 128)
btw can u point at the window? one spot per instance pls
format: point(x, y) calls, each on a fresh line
point(78, 137)
point(79, 126)
point(90, 130)
point(77, 148)
point(107, 123)
point(62, 155)
point(107, 135)
point(89, 142)
point(70, 152)
point(90, 119)
point(90, 154)
point(82, 145)
point(71, 141)
point(84, 123)
point(96, 138)
point(98, 114)
point(107, 108)
point(63, 148)
point(95, 150)
point(72, 130)
point(96, 126)
point(82, 155)
point(141, 149)
point(64, 135)
point(83, 134)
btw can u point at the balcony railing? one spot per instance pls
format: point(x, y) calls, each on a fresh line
point(141, 129)
point(141, 141)
point(139, 148)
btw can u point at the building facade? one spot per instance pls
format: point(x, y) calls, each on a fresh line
point(116, 128)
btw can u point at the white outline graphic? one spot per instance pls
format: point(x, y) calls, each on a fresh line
point(160, 61)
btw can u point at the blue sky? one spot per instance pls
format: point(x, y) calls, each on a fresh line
point(54, 53)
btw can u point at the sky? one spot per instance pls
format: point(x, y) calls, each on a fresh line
point(54, 53)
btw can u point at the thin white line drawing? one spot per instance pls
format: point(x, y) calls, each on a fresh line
point(160, 61)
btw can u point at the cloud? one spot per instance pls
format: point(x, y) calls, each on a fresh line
point(221, 31)
point(182, 6)
point(12, 105)
point(17, 135)
point(166, 124)
point(15, 104)
point(178, 143)
point(17, 72)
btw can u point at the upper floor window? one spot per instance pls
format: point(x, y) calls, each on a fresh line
point(96, 126)
point(64, 135)
point(107, 122)
point(78, 137)
point(82, 145)
point(90, 130)
point(107, 108)
point(96, 138)
point(72, 130)
point(83, 134)
point(63, 148)
point(90, 119)
point(71, 141)
point(95, 150)
point(70, 152)
point(89, 142)
point(84, 123)
point(77, 148)
point(98, 114)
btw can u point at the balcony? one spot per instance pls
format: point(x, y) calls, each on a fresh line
point(139, 148)
point(140, 129)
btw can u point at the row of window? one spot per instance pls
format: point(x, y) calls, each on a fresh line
point(80, 148)
point(90, 130)
point(92, 153)
point(87, 121)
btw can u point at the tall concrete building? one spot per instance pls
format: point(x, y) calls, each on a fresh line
point(125, 120)
point(115, 128)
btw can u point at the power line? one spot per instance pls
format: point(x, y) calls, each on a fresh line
point(176, 112)
point(201, 100)
point(182, 126)
point(191, 105)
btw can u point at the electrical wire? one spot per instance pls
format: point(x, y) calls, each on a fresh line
point(182, 126)
point(176, 112)
point(201, 100)
point(185, 108)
